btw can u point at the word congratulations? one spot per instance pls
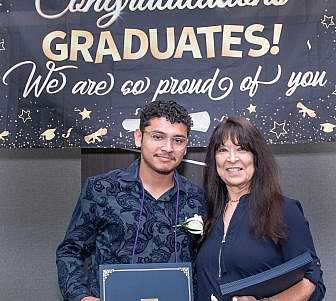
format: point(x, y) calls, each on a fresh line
point(113, 8)
point(137, 43)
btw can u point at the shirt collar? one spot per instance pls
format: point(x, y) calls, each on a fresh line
point(131, 174)
point(244, 198)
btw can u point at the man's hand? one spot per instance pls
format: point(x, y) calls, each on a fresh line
point(90, 299)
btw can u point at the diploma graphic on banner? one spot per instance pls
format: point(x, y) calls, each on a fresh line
point(201, 122)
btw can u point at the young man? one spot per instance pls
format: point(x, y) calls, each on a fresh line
point(130, 216)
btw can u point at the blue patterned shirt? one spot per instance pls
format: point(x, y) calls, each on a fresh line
point(104, 224)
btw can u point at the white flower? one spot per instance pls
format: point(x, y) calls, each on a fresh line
point(194, 224)
point(213, 298)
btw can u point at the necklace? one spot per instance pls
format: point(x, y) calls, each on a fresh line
point(233, 201)
point(227, 204)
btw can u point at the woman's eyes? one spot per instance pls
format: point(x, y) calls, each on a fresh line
point(238, 149)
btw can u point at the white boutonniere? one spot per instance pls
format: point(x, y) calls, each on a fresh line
point(193, 224)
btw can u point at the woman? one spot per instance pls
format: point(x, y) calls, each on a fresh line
point(250, 226)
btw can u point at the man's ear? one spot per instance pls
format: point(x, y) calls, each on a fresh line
point(137, 137)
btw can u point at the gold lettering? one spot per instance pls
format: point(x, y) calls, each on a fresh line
point(128, 39)
point(154, 44)
point(209, 38)
point(263, 42)
point(112, 49)
point(188, 34)
point(228, 40)
point(84, 47)
point(61, 48)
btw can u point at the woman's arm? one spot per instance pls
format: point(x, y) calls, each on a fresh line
point(298, 292)
point(300, 240)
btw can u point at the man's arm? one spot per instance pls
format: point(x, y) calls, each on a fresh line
point(78, 244)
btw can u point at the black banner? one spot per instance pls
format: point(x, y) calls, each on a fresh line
point(76, 73)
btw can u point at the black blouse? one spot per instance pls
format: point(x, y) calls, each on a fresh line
point(242, 255)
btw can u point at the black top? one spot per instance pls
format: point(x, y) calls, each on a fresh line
point(242, 255)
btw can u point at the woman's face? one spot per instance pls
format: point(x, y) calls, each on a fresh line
point(235, 166)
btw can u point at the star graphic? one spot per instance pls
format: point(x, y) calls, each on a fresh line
point(279, 129)
point(328, 21)
point(334, 93)
point(25, 115)
point(85, 114)
point(251, 108)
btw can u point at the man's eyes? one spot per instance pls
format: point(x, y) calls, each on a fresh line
point(158, 137)
point(161, 138)
point(179, 140)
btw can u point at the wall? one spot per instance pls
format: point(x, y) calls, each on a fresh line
point(38, 189)
point(309, 175)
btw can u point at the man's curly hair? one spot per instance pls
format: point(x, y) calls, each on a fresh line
point(171, 110)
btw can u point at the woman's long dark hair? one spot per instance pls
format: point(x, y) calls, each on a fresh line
point(266, 200)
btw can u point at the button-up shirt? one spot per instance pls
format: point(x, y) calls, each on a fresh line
point(104, 227)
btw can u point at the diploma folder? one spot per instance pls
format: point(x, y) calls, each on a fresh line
point(146, 282)
point(269, 282)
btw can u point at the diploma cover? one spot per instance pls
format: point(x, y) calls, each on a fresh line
point(146, 282)
point(269, 282)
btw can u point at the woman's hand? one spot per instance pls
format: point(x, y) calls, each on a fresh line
point(244, 298)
